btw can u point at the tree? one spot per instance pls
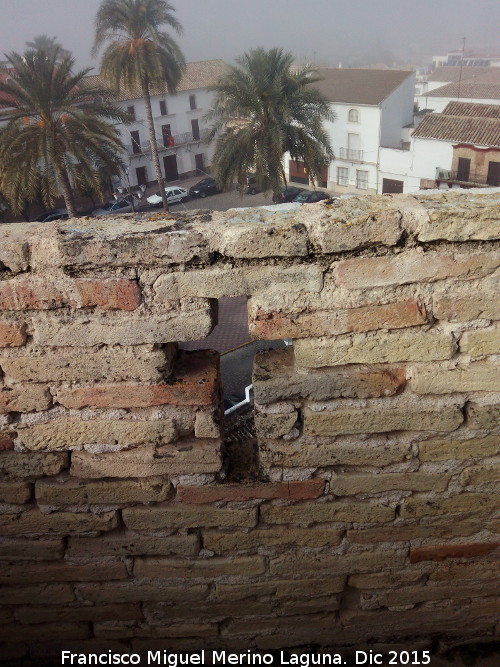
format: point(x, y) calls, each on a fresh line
point(47, 45)
point(140, 54)
point(263, 111)
point(57, 132)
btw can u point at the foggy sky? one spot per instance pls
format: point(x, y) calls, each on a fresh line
point(354, 32)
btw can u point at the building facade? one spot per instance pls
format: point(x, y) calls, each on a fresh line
point(180, 127)
point(372, 108)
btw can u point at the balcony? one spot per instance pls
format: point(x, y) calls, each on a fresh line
point(179, 140)
point(351, 154)
point(461, 178)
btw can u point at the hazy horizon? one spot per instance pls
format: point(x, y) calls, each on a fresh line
point(328, 32)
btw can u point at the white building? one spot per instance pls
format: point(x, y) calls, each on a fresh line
point(179, 125)
point(372, 109)
point(454, 149)
point(483, 89)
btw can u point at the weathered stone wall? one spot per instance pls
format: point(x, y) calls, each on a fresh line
point(378, 431)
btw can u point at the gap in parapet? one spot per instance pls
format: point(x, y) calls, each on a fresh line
point(230, 338)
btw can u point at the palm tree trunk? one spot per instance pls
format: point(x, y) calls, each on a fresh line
point(67, 193)
point(152, 142)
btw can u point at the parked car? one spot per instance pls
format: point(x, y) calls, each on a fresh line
point(114, 206)
point(311, 196)
point(54, 214)
point(203, 188)
point(174, 195)
point(287, 194)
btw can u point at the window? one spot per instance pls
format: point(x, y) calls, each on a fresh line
point(361, 179)
point(192, 101)
point(342, 176)
point(136, 142)
point(131, 112)
point(353, 116)
point(166, 135)
point(195, 129)
point(163, 108)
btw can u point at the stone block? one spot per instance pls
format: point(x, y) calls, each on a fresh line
point(374, 348)
point(15, 493)
point(305, 453)
point(71, 491)
point(210, 568)
point(413, 267)
point(147, 242)
point(459, 220)
point(25, 398)
point(130, 591)
point(194, 381)
point(34, 522)
point(108, 612)
point(43, 632)
point(182, 458)
point(463, 503)
point(274, 425)
point(13, 573)
point(68, 434)
point(483, 416)
point(256, 233)
point(49, 593)
point(268, 323)
point(479, 376)
point(480, 474)
point(275, 536)
point(470, 302)
point(115, 328)
point(23, 549)
point(126, 543)
point(275, 379)
point(307, 513)
point(185, 516)
point(350, 224)
point(445, 450)
point(352, 484)
point(480, 342)
point(299, 490)
point(32, 464)
point(376, 419)
point(68, 364)
point(446, 530)
point(370, 561)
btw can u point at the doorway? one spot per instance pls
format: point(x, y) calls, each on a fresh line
point(170, 166)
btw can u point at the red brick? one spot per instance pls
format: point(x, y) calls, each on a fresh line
point(12, 335)
point(26, 294)
point(194, 381)
point(119, 294)
point(441, 552)
point(199, 495)
point(269, 324)
point(6, 440)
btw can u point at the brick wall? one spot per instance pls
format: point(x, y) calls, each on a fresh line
point(378, 432)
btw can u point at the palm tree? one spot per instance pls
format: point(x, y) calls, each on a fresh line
point(140, 54)
point(57, 132)
point(48, 45)
point(264, 110)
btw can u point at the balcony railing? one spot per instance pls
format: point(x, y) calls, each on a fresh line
point(457, 177)
point(351, 154)
point(179, 140)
